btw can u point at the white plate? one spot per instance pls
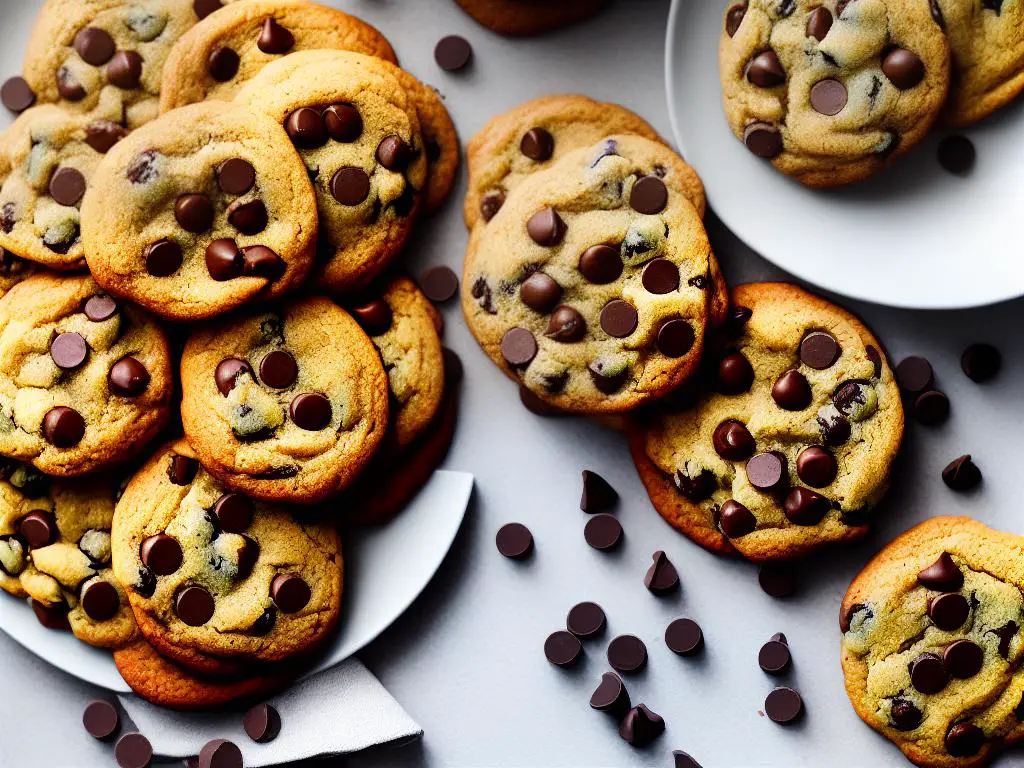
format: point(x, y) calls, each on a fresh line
point(914, 236)
point(385, 571)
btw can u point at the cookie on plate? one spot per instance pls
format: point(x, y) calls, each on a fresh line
point(358, 133)
point(593, 283)
point(787, 442)
point(520, 18)
point(231, 45)
point(84, 381)
point(987, 38)
point(214, 575)
point(47, 160)
point(932, 643)
point(55, 549)
point(831, 91)
point(285, 405)
point(200, 212)
point(106, 54)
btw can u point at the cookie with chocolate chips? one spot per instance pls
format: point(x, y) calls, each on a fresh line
point(932, 643)
point(47, 160)
point(105, 54)
point(200, 212)
point(788, 437)
point(593, 284)
point(218, 580)
point(85, 380)
point(55, 550)
point(285, 405)
point(830, 92)
point(522, 18)
point(14, 270)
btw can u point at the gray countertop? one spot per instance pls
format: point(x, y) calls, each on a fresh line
point(467, 661)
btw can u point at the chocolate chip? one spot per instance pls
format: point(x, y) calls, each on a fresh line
point(767, 471)
point(194, 605)
point(343, 122)
point(101, 720)
point(778, 579)
point(683, 760)
point(274, 38)
point(604, 381)
point(603, 532)
point(829, 96)
point(627, 653)
point(234, 512)
point(546, 227)
point(735, 374)
point(69, 350)
point(262, 723)
point(598, 495)
point(227, 372)
point(249, 218)
point(163, 258)
point(611, 696)
point(675, 338)
point(51, 616)
point(16, 94)
point(222, 64)
point(63, 427)
point(204, 8)
point(562, 648)
point(660, 276)
point(981, 362)
point(963, 659)
point(734, 17)
point(393, 153)
point(102, 135)
point(514, 541)
point(452, 53)
point(784, 706)
point(931, 408)
point(662, 577)
point(962, 474)
point(537, 144)
point(684, 637)
point(566, 325)
point(311, 411)
point(223, 260)
point(125, 70)
point(733, 441)
point(306, 128)
point(289, 593)
point(161, 554)
point(914, 375)
point(904, 715)
point(641, 726)
point(791, 391)
point(94, 45)
point(350, 186)
point(957, 155)
point(765, 70)
point(806, 507)
point(236, 176)
point(133, 750)
point(260, 261)
point(453, 369)
point(949, 611)
point(819, 350)
point(619, 318)
point(375, 317)
point(819, 23)
point(903, 68)
point(518, 347)
point(698, 487)
point(964, 740)
point(943, 575)
point(736, 520)
point(491, 204)
point(262, 626)
point(182, 470)
point(816, 466)
point(38, 529)
point(601, 264)
point(540, 292)
point(128, 377)
point(68, 86)
point(67, 186)
point(763, 139)
point(194, 212)
point(927, 674)
point(100, 600)
point(440, 284)
point(278, 370)
point(649, 196)
point(585, 620)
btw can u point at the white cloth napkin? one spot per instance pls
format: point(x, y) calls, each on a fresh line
point(344, 709)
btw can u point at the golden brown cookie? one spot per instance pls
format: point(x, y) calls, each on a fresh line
point(520, 18)
point(14, 270)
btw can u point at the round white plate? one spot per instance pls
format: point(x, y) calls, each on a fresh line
point(385, 571)
point(914, 236)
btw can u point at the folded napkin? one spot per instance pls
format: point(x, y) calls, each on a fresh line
point(343, 709)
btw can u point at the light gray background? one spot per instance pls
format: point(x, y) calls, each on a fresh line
point(467, 660)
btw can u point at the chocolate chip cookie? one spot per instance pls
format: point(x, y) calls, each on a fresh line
point(47, 160)
point(55, 549)
point(932, 643)
point(987, 38)
point(786, 442)
point(106, 54)
point(284, 405)
point(85, 380)
point(217, 579)
point(14, 270)
point(520, 18)
point(230, 46)
point(358, 133)
point(592, 285)
point(200, 212)
point(830, 92)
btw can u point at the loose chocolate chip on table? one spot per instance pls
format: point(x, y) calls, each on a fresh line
point(683, 760)
point(234, 512)
point(133, 750)
point(598, 495)
point(350, 186)
point(903, 68)
point(601, 264)
point(182, 470)
point(38, 528)
point(100, 600)
point(343, 122)
point(774, 656)
point(222, 64)
point(763, 139)
point(649, 196)
point(735, 374)
point(452, 52)
point(563, 648)
point(641, 726)
point(440, 284)
point(163, 258)
point(278, 370)
point(262, 723)
point(540, 292)
point(733, 441)
point(964, 740)
point(518, 347)
point(306, 128)
point(905, 716)
point(236, 176)
point(290, 593)
point(453, 369)
point(829, 97)
point(101, 719)
point(128, 377)
point(675, 338)
point(957, 155)
point(816, 466)
point(765, 70)
point(783, 705)
point(660, 276)
point(69, 350)
point(194, 605)
point(514, 541)
point(734, 17)
point(311, 411)
point(585, 620)
point(220, 753)
point(943, 575)
point(963, 659)
point(100, 308)
point(227, 372)
point(611, 696)
point(603, 532)
point(161, 553)
point(662, 577)
point(260, 261)
point(16, 94)
point(819, 350)
point(619, 318)
point(981, 362)
point(274, 38)
point(94, 45)
point(927, 674)
point(949, 611)
point(684, 637)
point(736, 520)
point(546, 227)
point(961, 474)
point(491, 204)
point(931, 408)
point(51, 616)
point(194, 212)
point(914, 375)
point(819, 23)
point(224, 261)
point(249, 218)
point(791, 391)
point(393, 153)
point(627, 653)
point(125, 70)
point(777, 579)
point(537, 144)
point(67, 186)
point(768, 471)
point(63, 427)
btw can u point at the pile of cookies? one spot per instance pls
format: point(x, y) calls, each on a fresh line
point(210, 200)
point(831, 91)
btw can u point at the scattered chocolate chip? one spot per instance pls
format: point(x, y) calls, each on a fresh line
point(453, 369)
point(914, 375)
point(233, 512)
point(684, 637)
point(957, 155)
point(16, 94)
point(733, 441)
point(540, 292)
point(194, 605)
point(220, 753)
point(949, 611)
point(981, 362)
point(603, 532)
point(290, 593)
point(962, 474)
point(94, 45)
point(903, 68)
point(904, 715)
point(649, 196)
point(735, 374)
point(585, 620)
point(274, 38)
point(641, 726)
point(222, 64)
point(774, 656)
point(163, 258)
point(537, 144)
point(452, 53)
point(343, 122)
point(63, 427)
point(763, 139)
point(931, 408)
point(440, 284)
point(736, 520)
point(927, 674)
point(784, 706)
point(563, 648)
point(964, 740)
point(101, 720)
point(611, 696)
point(161, 554)
point(816, 466)
point(311, 411)
point(601, 264)
point(791, 391)
point(69, 350)
point(278, 370)
point(598, 495)
point(627, 653)
point(662, 577)
point(660, 276)
point(100, 600)
point(182, 470)
point(546, 227)
point(38, 529)
point(514, 541)
point(133, 750)
point(765, 70)
point(778, 579)
point(224, 261)
point(67, 186)
point(194, 212)
point(518, 347)
point(619, 318)
point(963, 659)
point(350, 186)
point(768, 471)
point(675, 338)
point(125, 70)
point(262, 723)
point(819, 23)
point(394, 154)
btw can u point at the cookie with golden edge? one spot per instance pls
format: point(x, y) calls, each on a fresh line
point(786, 443)
point(13, 270)
point(522, 18)
point(932, 643)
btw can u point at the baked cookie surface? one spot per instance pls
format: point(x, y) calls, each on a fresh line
point(932, 642)
point(14, 270)
point(787, 441)
point(520, 18)
point(85, 381)
point(592, 284)
point(830, 92)
point(284, 405)
point(200, 212)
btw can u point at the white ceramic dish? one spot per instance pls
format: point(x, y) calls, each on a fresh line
point(385, 571)
point(914, 236)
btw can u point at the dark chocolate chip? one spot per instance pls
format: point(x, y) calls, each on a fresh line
point(601, 264)
point(675, 338)
point(274, 38)
point(278, 370)
point(768, 471)
point(128, 377)
point(563, 648)
point(765, 70)
point(927, 674)
point(249, 217)
point(452, 52)
point(964, 740)
point(819, 23)
point(540, 292)
point(904, 715)
point(227, 372)
point(585, 620)
point(784, 706)
point(816, 466)
point(290, 593)
point(611, 696)
point(603, 532)
point(69, 350)
point(546, 227)
point(763, 139)
point(182, 469)
point(262, 723)
point(194, 605)
point(163, 258)
point(100, 600)
point(806, 507)
point(94, 45)
point(236, 176)
point(222, 64)
point(778, 579)
point(125, 70)
point(641, 726)
point(604, 382)
point(394, 154)
point(835, 429)
point(733, 441)
point(660, 276)
point(350, 186)
point(949, 611)
point(343, 122)
point(931, 408)
point(161, 554)
point(514, 541)
point(774, 656)
point(914, 375)
point(194, 212)
point(627, 653)
point(943, 575)
point(598, 495)
point(133, 750)
point(537, 144)
point(819, 350)
point(829, 97)
point(619, 318)
point(102, 135)
point(224, 261)
point(903, 68)
point(662, 577)
point(67, 186)
point(491, 204)
point(981, 362)
point(375, 317)
point(101, 720)
point(16, 94)
point(311, 411)
point(234, 512)
point(518, 347)
point(566, 325)
point(649, 196)
point(684, 637)
point(791, 391)
point(204, 8)
point(735, 374)
point(63, 427)
point(962, 474)
point(306, 128)
point(963, 659)
point(38, 529)
point(736, 520)
point(68, 86)
point(734, 17)
point(260, 261)
point(440, 284)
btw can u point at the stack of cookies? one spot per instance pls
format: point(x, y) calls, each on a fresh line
point(211, 198)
